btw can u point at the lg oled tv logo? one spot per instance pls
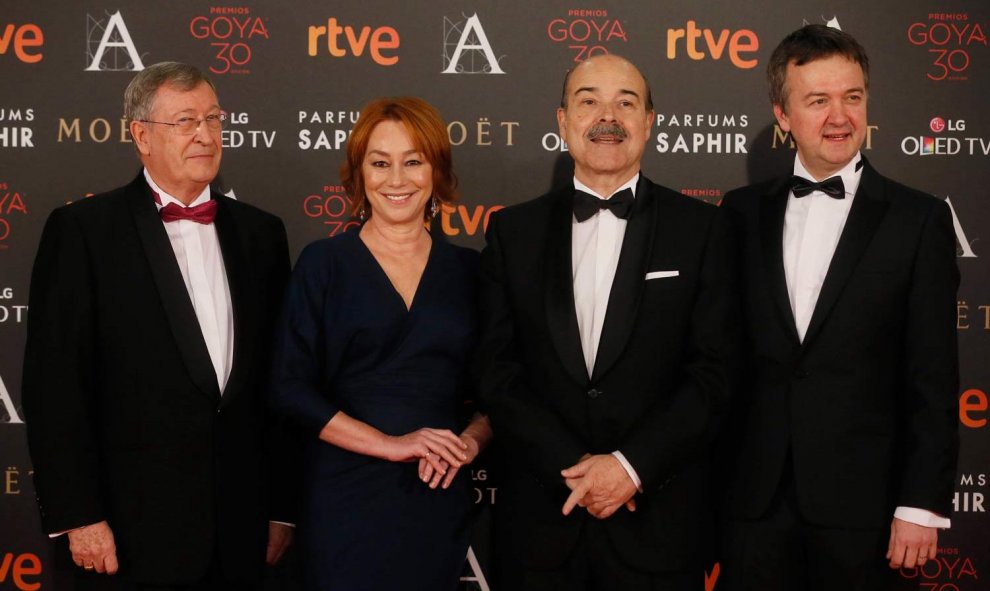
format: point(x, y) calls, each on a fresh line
point(109, 46)
point(946, 145)
point(232, 32)
point(466, 49)
point(378, 43)
point(24, 40)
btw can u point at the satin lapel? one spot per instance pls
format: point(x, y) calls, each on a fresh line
point(171, 289)
point(242, 298)
point(867, 211)
point(559, 292)
point(773, 205)
point(629, 280)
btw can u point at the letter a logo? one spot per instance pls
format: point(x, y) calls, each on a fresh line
point(8, 404)
point(123, 55)
point(477, 47)
point(965, 250)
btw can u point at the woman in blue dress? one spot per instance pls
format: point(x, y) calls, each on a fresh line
point(371, 361)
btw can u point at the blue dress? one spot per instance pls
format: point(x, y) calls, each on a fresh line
point(346, 342)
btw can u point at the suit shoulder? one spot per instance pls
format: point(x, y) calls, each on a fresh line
point(95, 205)
point(742, 196)
point(685, 204)
point(527, 210)
point(247, 211)
point(905, 195)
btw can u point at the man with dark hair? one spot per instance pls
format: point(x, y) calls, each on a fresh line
point(604, 358)
point(847, 441)
point(152, 308)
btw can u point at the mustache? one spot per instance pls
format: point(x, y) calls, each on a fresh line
point(612, 129)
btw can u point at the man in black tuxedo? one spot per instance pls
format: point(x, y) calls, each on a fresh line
point(848, 415)
point(603, 362)
point(146, 361)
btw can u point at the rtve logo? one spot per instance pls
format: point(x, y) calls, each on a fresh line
point(16, 569)
point(346, 40)
point(22, 38)
point(735, 44)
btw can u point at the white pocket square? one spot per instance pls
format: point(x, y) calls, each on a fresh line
point(661, 274)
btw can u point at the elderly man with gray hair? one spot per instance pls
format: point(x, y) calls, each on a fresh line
point(144, 388)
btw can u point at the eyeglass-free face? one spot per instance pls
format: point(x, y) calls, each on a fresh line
point(181, 164)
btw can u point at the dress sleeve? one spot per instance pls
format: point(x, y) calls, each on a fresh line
point(298, 388)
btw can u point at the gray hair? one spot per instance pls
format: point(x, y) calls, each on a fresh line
point(139, 98)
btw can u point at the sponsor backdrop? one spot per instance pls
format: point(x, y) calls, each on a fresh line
point(294, 76)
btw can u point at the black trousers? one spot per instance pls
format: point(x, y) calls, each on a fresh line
point(593, 566)
point(782, 551)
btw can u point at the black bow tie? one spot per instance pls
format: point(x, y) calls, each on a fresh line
point(587, 205)
point(831, 186)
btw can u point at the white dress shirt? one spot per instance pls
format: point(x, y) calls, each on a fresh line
point(197, 250)
point(812, 227)
point(595, 247)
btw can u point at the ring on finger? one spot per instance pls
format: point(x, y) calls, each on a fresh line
point(89, 567)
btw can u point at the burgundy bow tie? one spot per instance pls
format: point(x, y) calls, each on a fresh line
point(204, 213)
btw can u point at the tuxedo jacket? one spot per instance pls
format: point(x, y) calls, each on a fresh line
point(126, 422)
point(659, 385)
point(865, 408)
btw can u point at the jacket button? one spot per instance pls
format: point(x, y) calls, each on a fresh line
point(593, 393)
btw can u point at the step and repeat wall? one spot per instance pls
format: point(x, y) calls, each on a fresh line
point(294, 75)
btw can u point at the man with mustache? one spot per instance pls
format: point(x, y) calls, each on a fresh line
point(604, 358)
point(845, 456)
point(152, 309)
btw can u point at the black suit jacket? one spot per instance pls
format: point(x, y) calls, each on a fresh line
point(659, 383)
point(125, 419)
point(867, 404)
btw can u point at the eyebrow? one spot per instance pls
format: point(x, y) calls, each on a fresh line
point(383, 153)
point(192, 110)
point(859, 89)
point(596, 89)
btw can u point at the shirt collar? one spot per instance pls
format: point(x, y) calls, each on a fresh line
point(851, 173)
point(165, 198)
point(630, 184)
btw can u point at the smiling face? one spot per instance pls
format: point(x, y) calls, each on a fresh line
point(182, 165)
point(606, 122)
point(825, 112)
point(398, 181)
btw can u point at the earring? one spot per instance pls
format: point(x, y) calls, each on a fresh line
point(434, 206)
point(362, 214)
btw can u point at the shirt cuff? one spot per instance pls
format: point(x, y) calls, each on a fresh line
point(286, 523)
point(629, 469)
point(922, 517)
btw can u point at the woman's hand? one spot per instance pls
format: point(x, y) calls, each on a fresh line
point(433, 477)
point(438, 448)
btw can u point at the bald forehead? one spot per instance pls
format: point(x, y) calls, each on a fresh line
point(595, 70)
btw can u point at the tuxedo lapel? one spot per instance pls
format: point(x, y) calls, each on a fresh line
point(630, 273)
point(171, 288)
point(561, 315)
point(773, 206)
point(867, 211)
point(242, 298)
